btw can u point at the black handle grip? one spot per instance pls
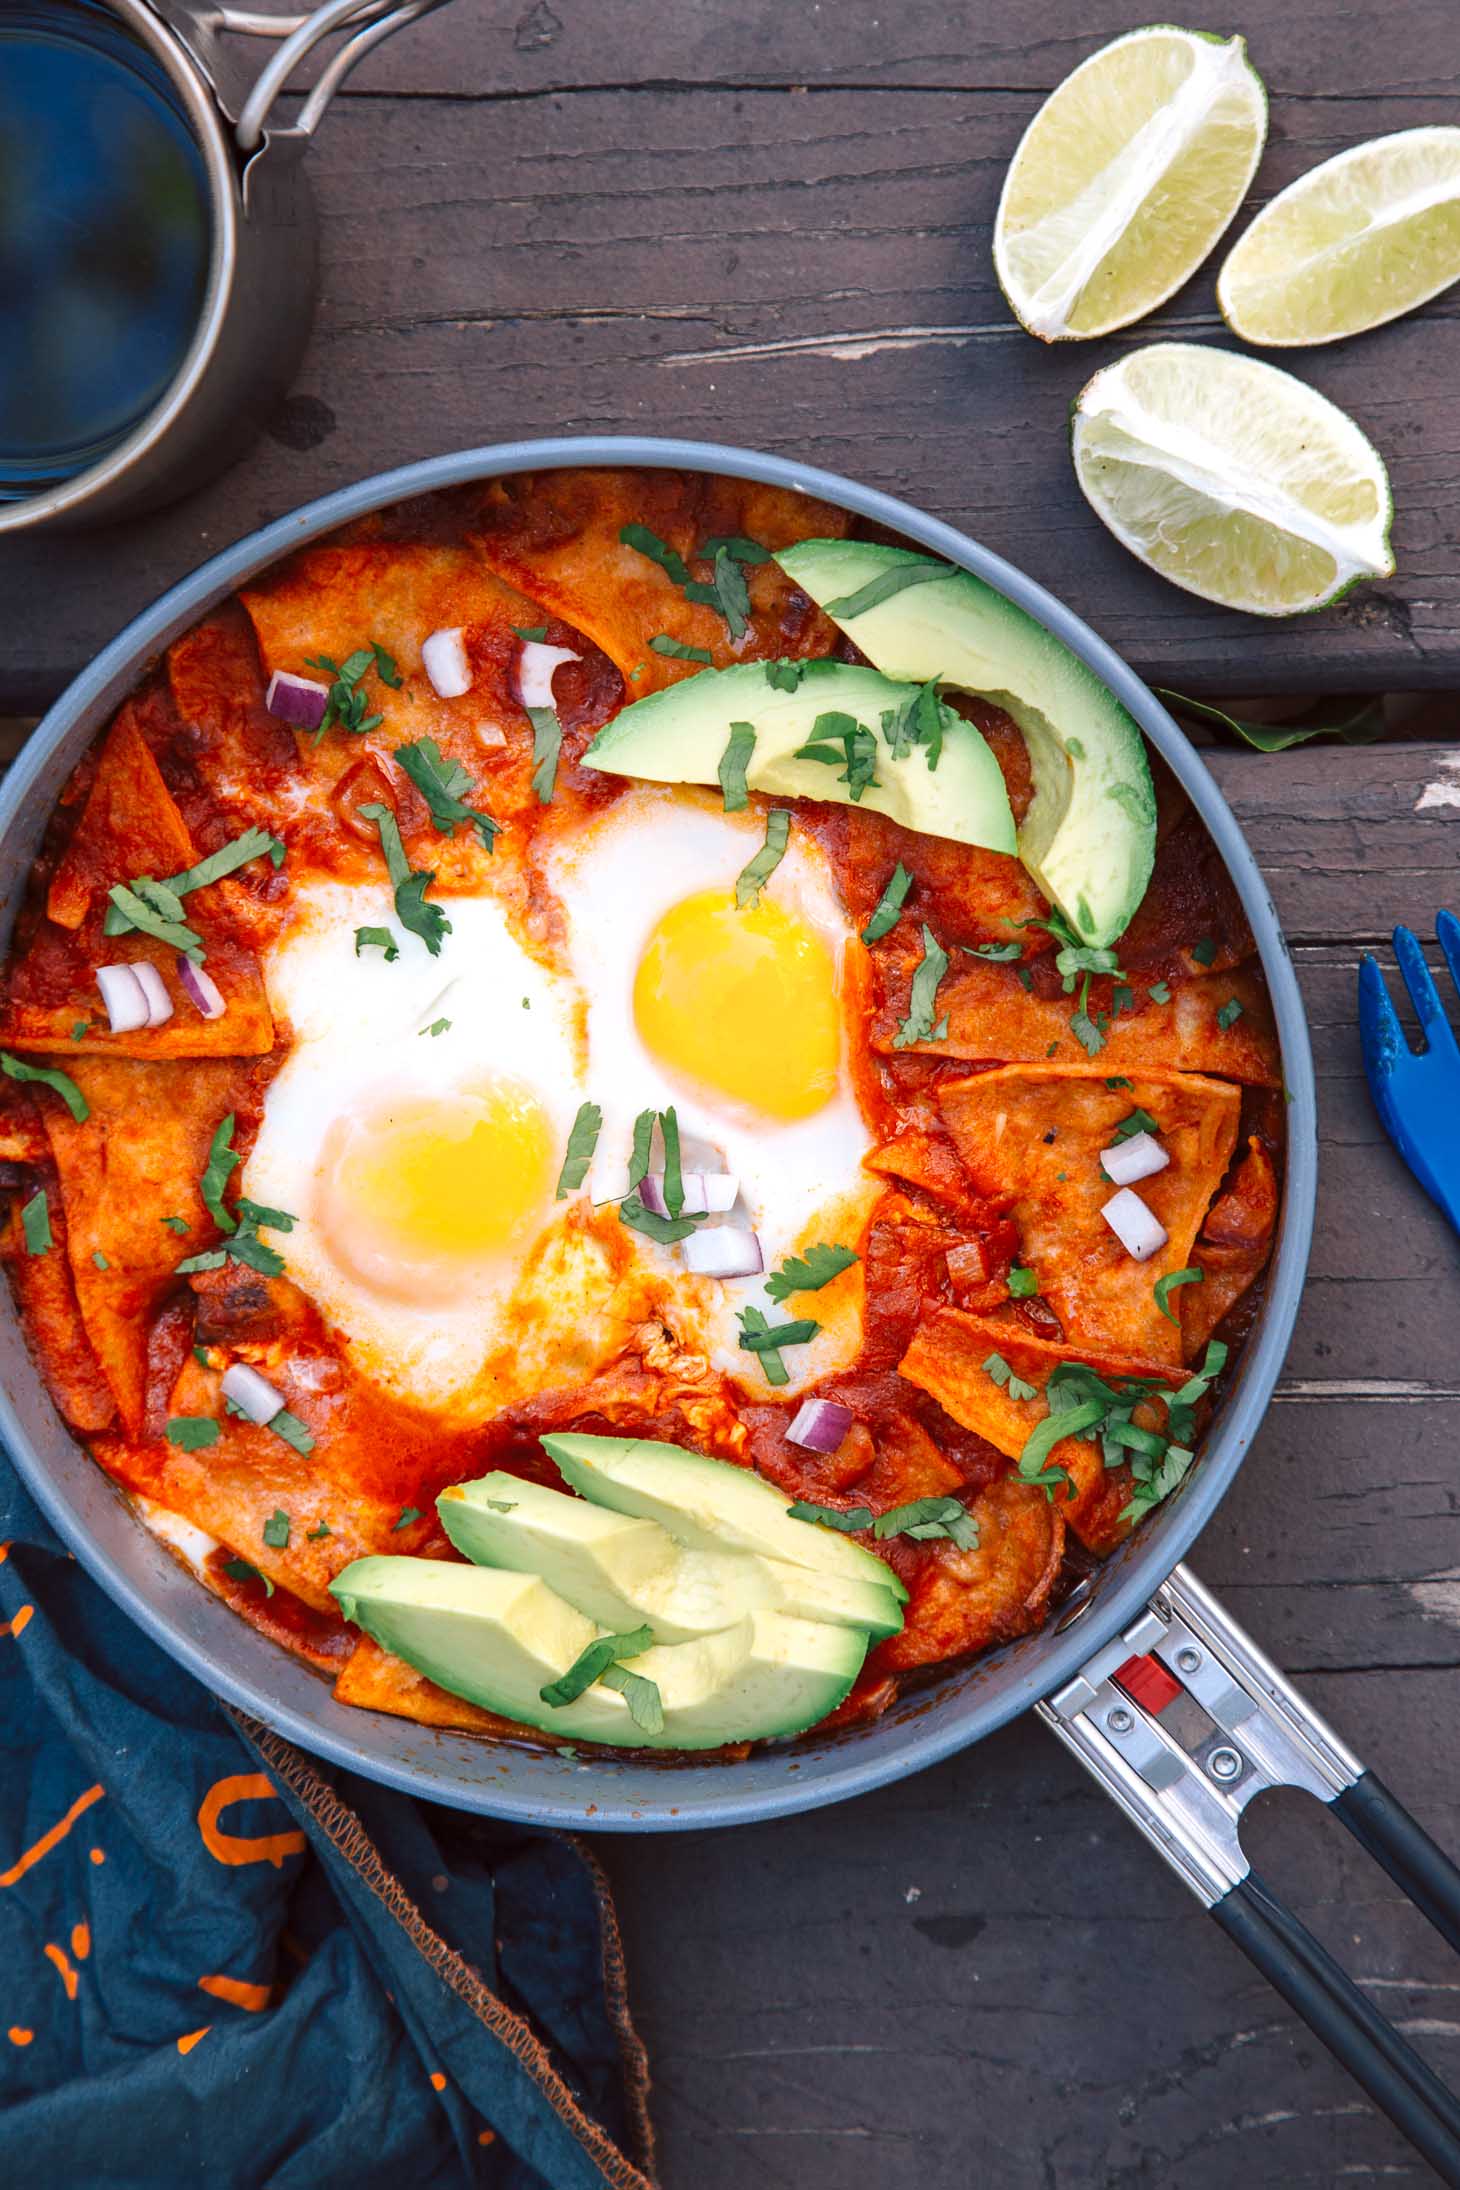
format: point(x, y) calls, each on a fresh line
point(1333, 2007)
point(1380, 1823)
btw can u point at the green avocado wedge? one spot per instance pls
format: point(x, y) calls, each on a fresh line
point(623, 1571)
point(951, 788)
point(1089, 837)
point(499, 1639)
point(709, 1505)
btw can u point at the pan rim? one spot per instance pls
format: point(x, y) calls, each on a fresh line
point(619, 1795)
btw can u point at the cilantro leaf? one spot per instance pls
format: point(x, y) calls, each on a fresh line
point(313, 1535)
point(62, 1084)
point(1229, 1014)
point(809, 1272)
point(253, 844)
point(758, 870)
point(920, 1024)
point(673, 1172)
point(137, 913)
point(999, 954)
point(222, 1159)
point(441, 783)
point(534, 633)
point(998, 1368)
point(663, 1230)
point(192, 1432)
point(753, 1324)
point(1164, 1287)
point(646, 1705)
point(345, 704)
point(429, 922)
point(1204, 950)
point(733, 763)
point(179, 1225)
point(736, 544)
point(582, 1140)
point(643, 1141)
point(242, 1570)
point(547, 745)
point(276, 1530)
point(921, 720)
point(1035, 1465)
point(677, 651)
point(726, 591)
point(846, 1520)
point(437, 1026)
point(1159, 992)
point(592, 1663)
point(759, 1337)
point(916, 571)
point(35, 1222)
point(99, 1259)
point(889, 905)
point(927, 1518)
point(292, 1430)
point(784, 676)
point(1023, 1284)
point(408, 1514)
point(379, 939)
point(1137, 1121)
point(839, 740)
point(645, 542)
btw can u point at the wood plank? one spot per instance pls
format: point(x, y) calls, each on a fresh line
point(983, 1975)
point(810, 274)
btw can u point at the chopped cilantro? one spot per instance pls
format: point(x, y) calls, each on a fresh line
point(1160, 992)
point(673, 1171)
point(736, 544)
point(758, 870)
point(769, 1337)
point(646, 1705)
point(998, 1368)
point(253, 844)
point(1118, 1079)
point(846, 1520)
point(726, 591)
point(429, 922)
point(99, 1259)
point(346, 703)
point(535, 633)
point(222, 1159)
point(15, 1068)
point(191, 1432)
point(379, 939)
point(889, 905)
point(809, 1272)
point(35, 1222)
point(261, 1217)
point(547, 746)
point(677, 651)
point(276, 1530)
point(733, 763)
point(136, 912)
point(407, 1515)
point(839, 740)
point(1023, 1284)
point(441, 783)
point(592, 1663)
point(1002, 954)
point(921, 720)
point(292, 1430)
point(437, 1026)
point(645, 542)
point(754, 1325)
point(1166, 1286)
point(80, 1030)
point(916, 571)
point(784, 676)
point(920, 1024)
point(241, 1570)
point(926, 1518)
point(663, 1230)
point(1135, 1121)
point(582, 1140)
point(643, 1141)
point(313, 1535)
point(1204, 950)
point(1229, 1014)
point(176, 1224)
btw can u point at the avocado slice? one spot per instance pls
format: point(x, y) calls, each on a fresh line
point(1089, 837)
point(622, 1571)
point(680, 735)
point(710, 1505)
point(498, 1639)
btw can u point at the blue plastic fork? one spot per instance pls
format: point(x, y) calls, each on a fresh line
point(1417, 1094)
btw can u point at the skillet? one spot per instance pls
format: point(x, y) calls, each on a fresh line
point(1178, 1656)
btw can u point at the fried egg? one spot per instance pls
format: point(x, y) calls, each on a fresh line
point(738, 1018)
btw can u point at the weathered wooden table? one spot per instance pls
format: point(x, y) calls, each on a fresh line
point(769, 223)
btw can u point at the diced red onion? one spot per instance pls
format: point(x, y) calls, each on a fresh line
point(1140, 1232)
point(706, 1193)
point(443, 657)
point(1139, 1157)
point(154, 988)
point(300, 700)
point(726, 1251)
point(251, 1393)
point(721, 1190)
point(124, 997)
point(535, 666)
point(820, 1425)
point(201, 987)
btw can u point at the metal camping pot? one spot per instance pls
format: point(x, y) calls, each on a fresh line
point(258, 283)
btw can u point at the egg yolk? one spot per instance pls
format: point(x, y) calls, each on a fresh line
point(743, 1003)
point(419, 1187)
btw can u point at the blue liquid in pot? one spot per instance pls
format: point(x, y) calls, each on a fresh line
point(104, 239)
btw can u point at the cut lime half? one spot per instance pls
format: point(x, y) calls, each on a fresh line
point(1370, 234)
point(1125, 179)
point(1232, 479)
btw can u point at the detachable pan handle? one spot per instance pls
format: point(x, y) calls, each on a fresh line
point(1183, 1720)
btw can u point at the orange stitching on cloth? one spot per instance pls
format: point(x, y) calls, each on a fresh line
point(237, 1991)
point(344, 1829)
point(20, 1623)
point(438, 2081)
point(185, 2045)
point(81, 1941)
point(18, 2035)
point(235, 1848)
point(97, 1856)
point(632, 2050)
point(64, 1970)
point(51, 1839)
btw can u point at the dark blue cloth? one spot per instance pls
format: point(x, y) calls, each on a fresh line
point(224, 1964)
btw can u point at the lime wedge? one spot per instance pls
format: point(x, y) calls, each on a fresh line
point(1232, 478)
point(1125, 179)
point(1370, 234)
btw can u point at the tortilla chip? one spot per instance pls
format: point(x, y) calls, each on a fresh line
point(556, 534)
point(946, 1359)
point(1033, 1134)
point(991, 1015)
point(228, 751)
point(55, 1333)
point(376, 1681)
point(978, 893)
point(1233, 1248)
point(138, 1157)
point(967, 1600)
point(131, 826)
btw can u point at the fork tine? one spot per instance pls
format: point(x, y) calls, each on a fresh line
point(1447, 930)
point(1423, 994)
point(1380, 1032)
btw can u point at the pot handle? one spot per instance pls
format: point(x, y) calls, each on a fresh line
point(367, 22)
point(1182, 1720)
